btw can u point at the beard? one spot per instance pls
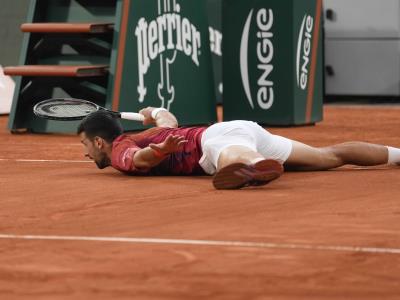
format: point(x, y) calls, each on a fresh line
point(103, 161)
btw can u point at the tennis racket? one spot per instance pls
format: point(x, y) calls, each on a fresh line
point(70, 109)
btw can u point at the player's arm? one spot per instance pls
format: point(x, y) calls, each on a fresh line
point(158, 117)
point(154, 154)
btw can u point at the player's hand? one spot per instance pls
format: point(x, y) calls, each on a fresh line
point(146, 112)
point(173, 143)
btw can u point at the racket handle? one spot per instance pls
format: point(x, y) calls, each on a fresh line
point(132, 116)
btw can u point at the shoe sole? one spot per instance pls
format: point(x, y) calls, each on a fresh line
point(239, 175)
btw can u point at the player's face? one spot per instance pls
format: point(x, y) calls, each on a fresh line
point(93, 151)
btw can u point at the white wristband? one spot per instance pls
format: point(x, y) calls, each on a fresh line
point(156, 111)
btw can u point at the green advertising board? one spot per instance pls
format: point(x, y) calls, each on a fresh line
point(164, 60)
point(272, 61)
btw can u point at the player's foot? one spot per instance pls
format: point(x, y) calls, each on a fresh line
point(239, 175)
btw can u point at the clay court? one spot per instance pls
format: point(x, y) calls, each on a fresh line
point(69, 230)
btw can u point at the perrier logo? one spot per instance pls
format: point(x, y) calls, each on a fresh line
point(162, 39)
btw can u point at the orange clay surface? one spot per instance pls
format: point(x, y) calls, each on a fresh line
point(315, 235)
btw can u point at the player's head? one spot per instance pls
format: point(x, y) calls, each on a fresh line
point(97, 132)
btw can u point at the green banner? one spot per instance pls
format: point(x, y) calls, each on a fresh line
point(214, 8)
point(164, 60)
point(272, 61)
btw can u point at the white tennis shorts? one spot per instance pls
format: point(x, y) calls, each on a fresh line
point(241, 133)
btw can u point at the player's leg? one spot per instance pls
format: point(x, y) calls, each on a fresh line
point(306, 158)
point(230, 149)
point(298, 156)
point(240, 166)
point(238, 154)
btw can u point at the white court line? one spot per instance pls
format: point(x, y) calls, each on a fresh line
point(46, 160)
point(370, 250)
point(47, 145)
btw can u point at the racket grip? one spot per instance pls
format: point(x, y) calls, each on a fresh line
point(132, 116)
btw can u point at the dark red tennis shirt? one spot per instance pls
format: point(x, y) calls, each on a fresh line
point(185, 162)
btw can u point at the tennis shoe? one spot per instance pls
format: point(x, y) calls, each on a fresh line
point(239, 175)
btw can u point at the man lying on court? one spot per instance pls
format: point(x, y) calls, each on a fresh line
point(237, 153)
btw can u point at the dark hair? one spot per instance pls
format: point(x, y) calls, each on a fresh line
point(102, 124)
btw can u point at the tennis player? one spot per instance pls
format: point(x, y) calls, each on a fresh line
point(236, 153)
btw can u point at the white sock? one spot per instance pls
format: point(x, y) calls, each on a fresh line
point(393, 156)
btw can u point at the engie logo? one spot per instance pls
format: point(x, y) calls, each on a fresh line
point(163, 37)
point(304, 44)
point(265, 55)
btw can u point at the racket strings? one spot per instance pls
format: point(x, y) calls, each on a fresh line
point(67, 110)
point(73, 110)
